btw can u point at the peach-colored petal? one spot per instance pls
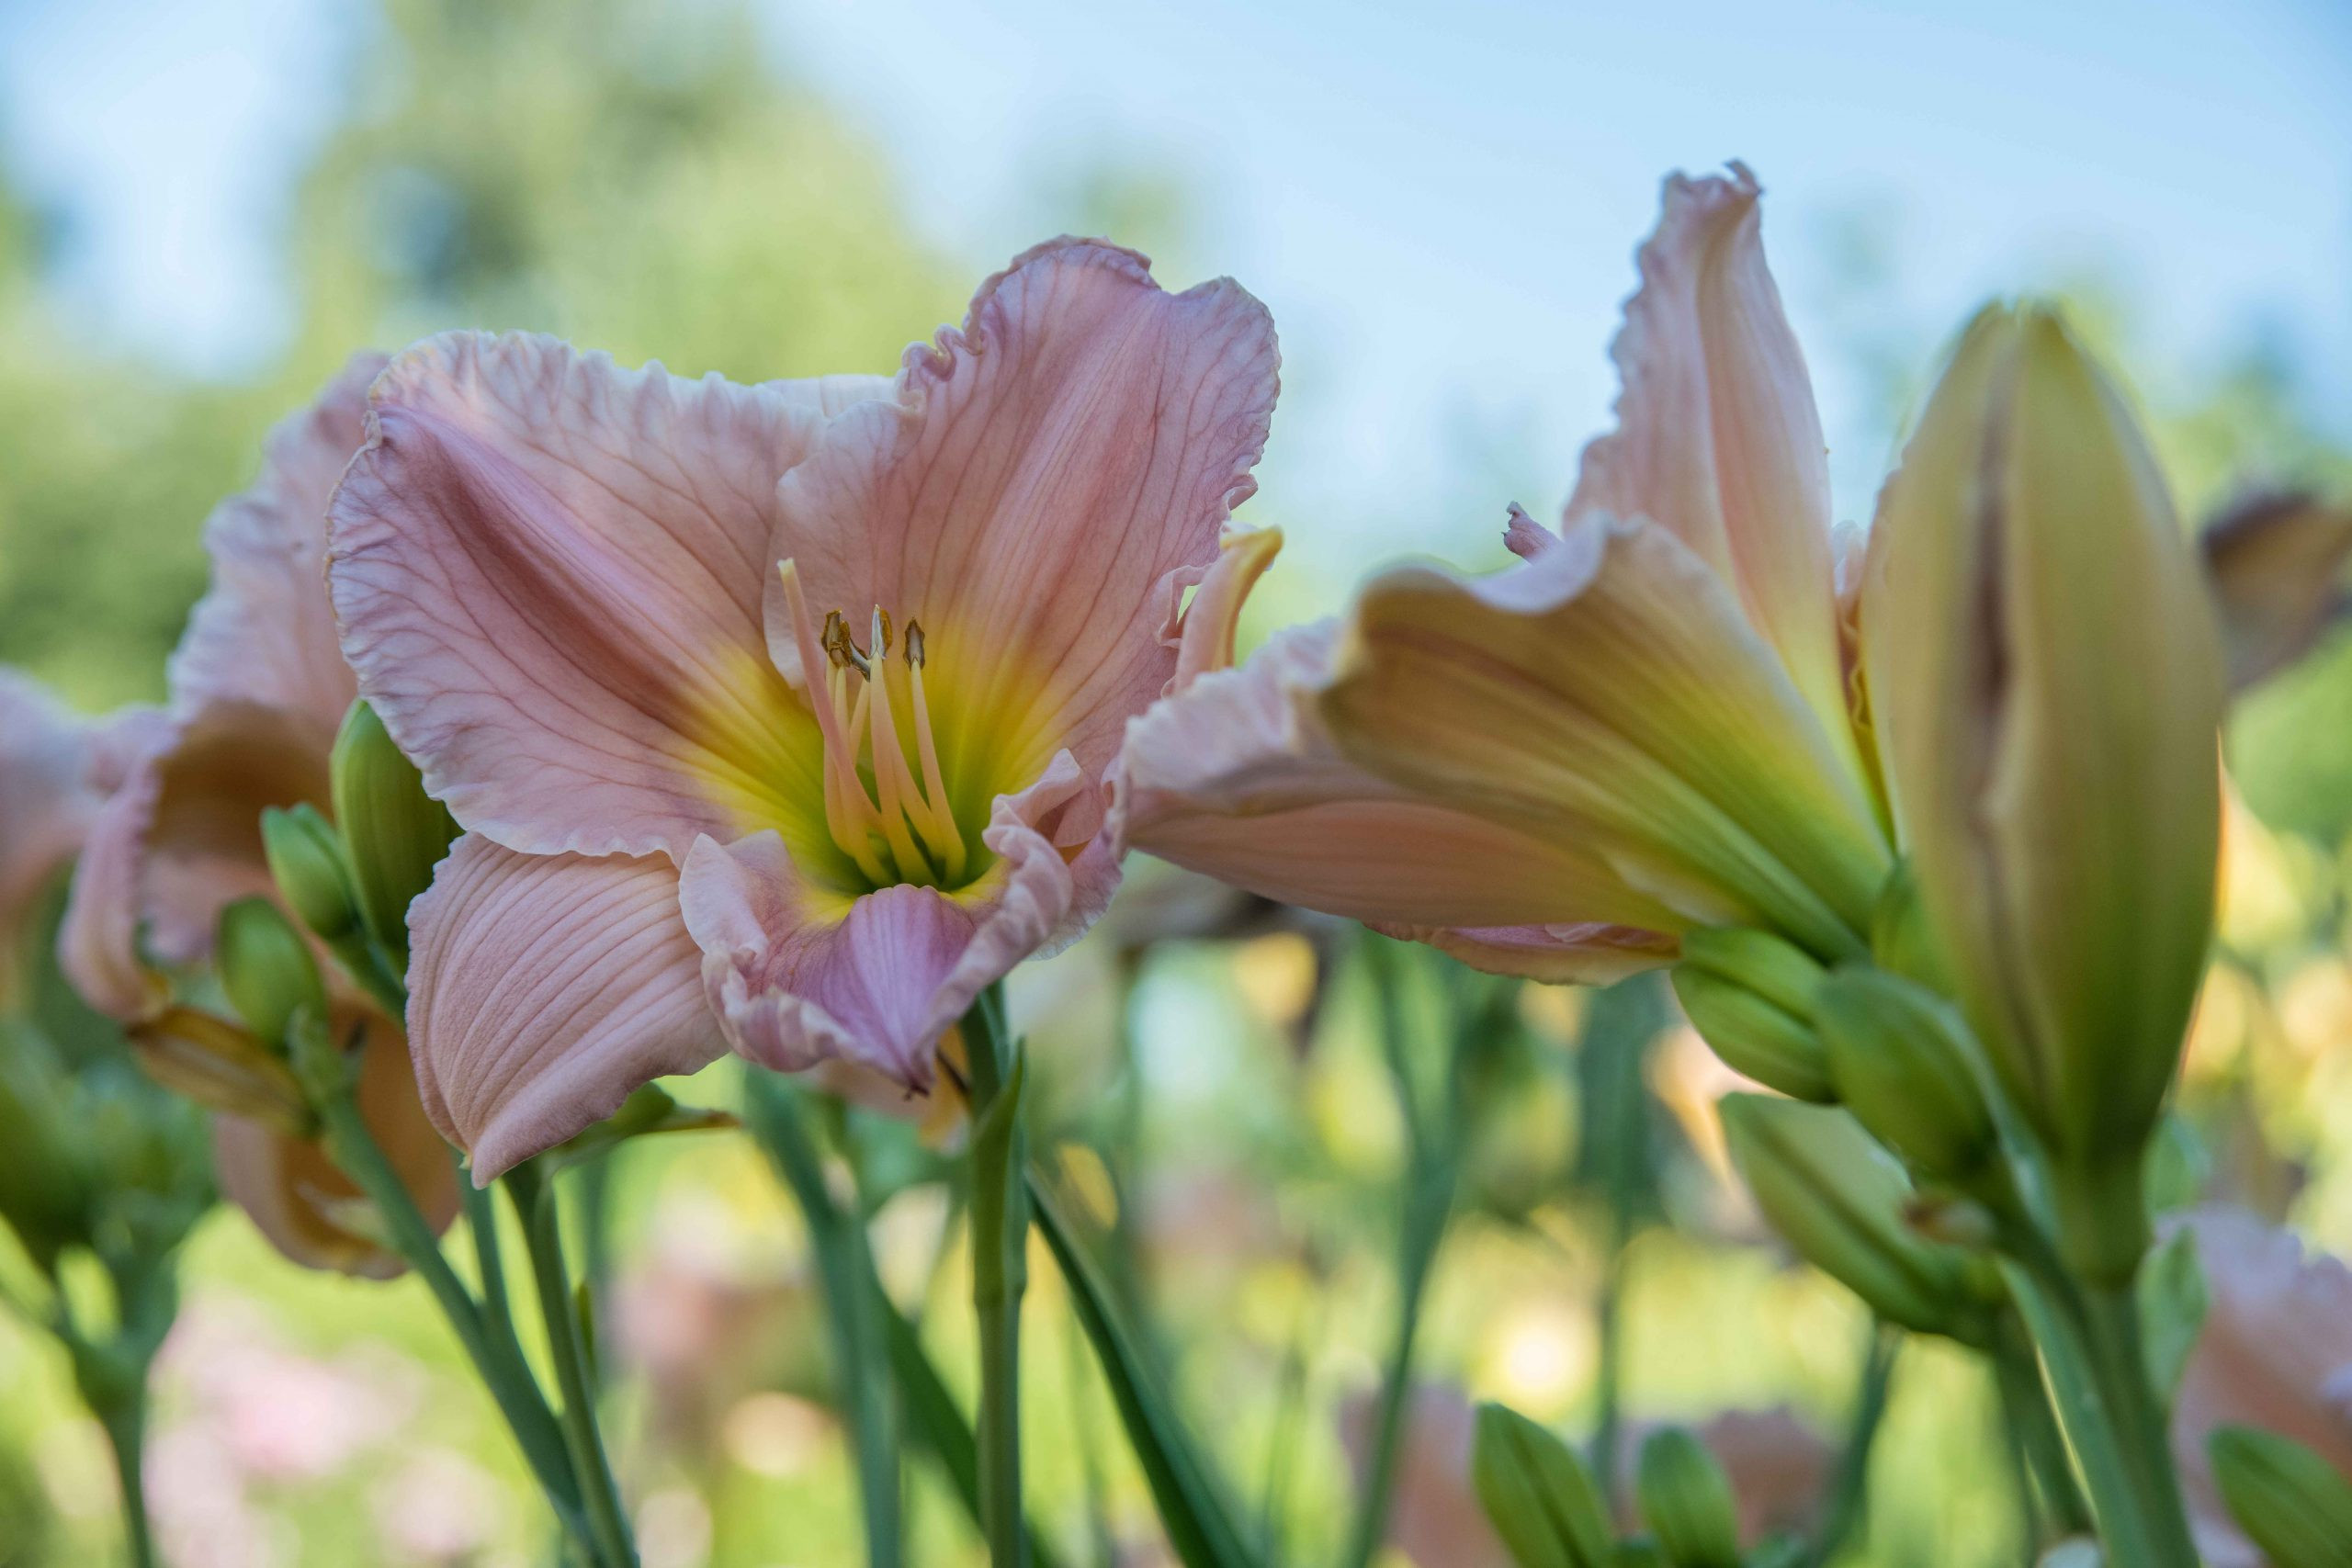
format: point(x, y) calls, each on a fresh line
point(97, 944)
point(1609, 694)
point(1717, 438)
point(548, 570)
point(2275, 1352)
point(264, 632)
point(297, 1198)
point(1236, 777)
point(1204, 631)
point(801, 975)
point(542, 989)
point(1031, 492)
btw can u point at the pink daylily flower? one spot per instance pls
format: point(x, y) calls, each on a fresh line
point(779, 716)
point(258, 689)
point(1647, 726)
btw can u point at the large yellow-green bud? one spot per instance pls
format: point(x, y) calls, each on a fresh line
point(394, 832)
point(2046, 685)
point(1749, 995)
point(306, 862)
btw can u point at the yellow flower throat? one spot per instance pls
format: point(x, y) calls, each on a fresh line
point(889, 814)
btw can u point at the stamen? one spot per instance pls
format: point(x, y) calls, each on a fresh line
point(856, 715)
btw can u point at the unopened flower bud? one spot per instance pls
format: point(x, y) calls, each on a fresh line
point(1754, 1034)
point(2293, 1503)
point(306, 860)
point(1903, 1065)
point(1840, 1200)
point(221, 1068)
point(1900, 941)
point(2046, 683)
point(266, 969)
point(1537, 1493)
point(395, 833)
point(1686, 1500)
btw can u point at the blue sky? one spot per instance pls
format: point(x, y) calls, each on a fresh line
point(1440, 201)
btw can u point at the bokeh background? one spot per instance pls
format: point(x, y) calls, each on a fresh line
point(206, 205)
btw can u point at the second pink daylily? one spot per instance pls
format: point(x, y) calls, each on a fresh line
point(779, 716)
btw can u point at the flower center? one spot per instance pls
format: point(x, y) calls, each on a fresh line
point(889, 814)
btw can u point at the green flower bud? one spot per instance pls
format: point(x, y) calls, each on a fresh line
point(396, 833)
point(2289, 1500)
point(1686, 1500)
point(1839, 1200)
point(2046, 683)
point(1537, 1493)
point(1904, 1066)
point(306, 859)
point(1900, 941)
point(266, 969)
point(1774, 968)
point(1753, 1034)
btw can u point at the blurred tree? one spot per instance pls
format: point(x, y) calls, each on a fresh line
point(636, 176)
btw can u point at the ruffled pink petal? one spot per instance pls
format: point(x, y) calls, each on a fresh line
point(801, 975)
point(1236, 776)
point(542, 990)
point(1717, 437)
point(97, 944)
point(264, 632)
point(1028, 495)
point(549, 574)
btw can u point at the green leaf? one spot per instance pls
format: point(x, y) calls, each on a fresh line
point(1537, 1493)
point(1686, 1500)
point(1199, 1524)
point(938, 1422)
point(2171, 1310)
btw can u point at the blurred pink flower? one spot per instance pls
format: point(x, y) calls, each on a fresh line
point(2275, 1353)
point(438, 1507)
point(1434, 1517)
point(587, 602)
point(56, 771)
point(259, 690)
point(279, 1413)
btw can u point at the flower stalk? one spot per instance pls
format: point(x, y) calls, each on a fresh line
point(1000, 1267)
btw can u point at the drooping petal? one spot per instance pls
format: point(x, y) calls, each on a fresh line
point(263, 632)
point(801, 975)
point(1717, 437)
point(1204, 631)
point(304, 1204)
point(1236, 776)
point(97, 944)
point(2275, 564)
point(1609, 694)
point(1028, 494)
point(549, 573)
point(542, 989)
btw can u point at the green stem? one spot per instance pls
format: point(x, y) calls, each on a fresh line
point(2088, 1337)
point(1429, 1206)
point(126, 1429)
point(496, 1358)
point(1000, 1269)
point(1850, 1492)
point(777, 1119)
point(608, 1529)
